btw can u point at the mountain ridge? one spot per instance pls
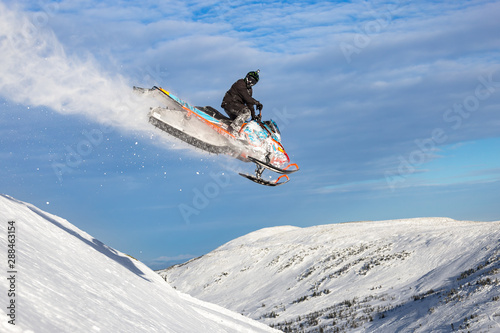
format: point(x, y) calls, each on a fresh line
point(309, 279)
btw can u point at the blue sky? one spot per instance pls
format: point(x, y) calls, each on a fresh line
point(390, 108)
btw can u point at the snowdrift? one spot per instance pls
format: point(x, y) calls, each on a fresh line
point(416, 275)
point(67, 281)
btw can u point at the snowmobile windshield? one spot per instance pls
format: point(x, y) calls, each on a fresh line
point(273, 126)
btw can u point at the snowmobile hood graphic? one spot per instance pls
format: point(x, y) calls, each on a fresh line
point(207, 129)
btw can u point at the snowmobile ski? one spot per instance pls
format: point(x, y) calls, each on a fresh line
point(271, 167)
point(266, 182)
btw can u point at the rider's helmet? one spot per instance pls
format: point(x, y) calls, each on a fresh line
point(252, 78)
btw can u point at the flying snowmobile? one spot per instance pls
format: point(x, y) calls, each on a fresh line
point(206, 128)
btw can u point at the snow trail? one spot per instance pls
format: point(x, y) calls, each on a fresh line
point(37, 71)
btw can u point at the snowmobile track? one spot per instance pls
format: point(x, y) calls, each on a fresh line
point(189, 139)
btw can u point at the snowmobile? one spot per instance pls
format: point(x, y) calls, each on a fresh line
point(206, 128)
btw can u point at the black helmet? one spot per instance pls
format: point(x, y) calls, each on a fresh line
point(252, 77)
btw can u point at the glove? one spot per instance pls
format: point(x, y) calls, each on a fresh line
point(259, 106)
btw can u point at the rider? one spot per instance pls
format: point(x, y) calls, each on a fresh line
point(238, 101)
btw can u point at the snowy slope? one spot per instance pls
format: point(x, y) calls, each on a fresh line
point(422, 275)
point(67, 281)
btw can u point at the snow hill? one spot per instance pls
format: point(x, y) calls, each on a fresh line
point(416, 275)
point(64, 280)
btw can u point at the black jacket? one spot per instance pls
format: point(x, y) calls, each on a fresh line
point(239, 97)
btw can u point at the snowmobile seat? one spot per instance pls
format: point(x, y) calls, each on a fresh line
point(214, 113)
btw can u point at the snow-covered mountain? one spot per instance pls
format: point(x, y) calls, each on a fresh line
point(417, 275)
point(57, 278)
